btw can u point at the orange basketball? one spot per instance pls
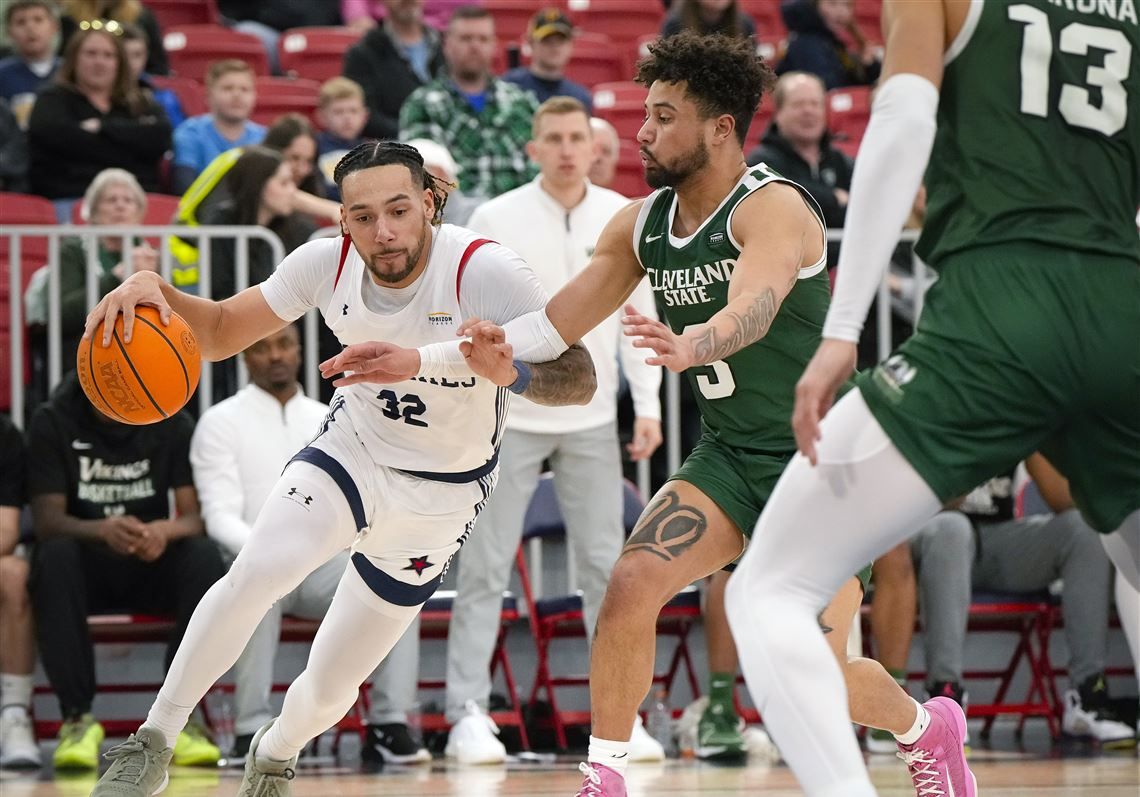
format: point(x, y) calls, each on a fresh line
point(146, 380)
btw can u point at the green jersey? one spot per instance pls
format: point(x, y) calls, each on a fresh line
point(746, 399)
point(1038, 130)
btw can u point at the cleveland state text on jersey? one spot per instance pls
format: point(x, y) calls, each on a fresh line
point(689, 285)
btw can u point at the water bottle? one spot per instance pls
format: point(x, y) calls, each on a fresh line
point(659, 722)
point(221, 708)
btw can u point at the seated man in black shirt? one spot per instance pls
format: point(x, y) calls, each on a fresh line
point(106, 541)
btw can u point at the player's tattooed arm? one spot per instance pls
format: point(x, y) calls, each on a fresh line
point(747, 327)
point(570, 379)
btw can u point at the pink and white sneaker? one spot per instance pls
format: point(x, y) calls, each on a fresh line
point(601, 781)
point(937, 761)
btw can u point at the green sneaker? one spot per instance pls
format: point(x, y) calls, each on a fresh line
point(264, 777)
point(79, 742)
point(193, 748)
point(719, 733)
point(138, 766)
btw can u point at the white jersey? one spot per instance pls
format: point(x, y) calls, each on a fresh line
point(435, 428)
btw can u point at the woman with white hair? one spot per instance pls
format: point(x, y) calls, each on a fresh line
point(439, 163)
point(113, 197)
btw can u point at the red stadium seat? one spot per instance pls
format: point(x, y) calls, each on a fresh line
point(513, 16)
point(315, 53)
point(172, 13)
point(191, 49)
point(278, 95)
point(622, 104)
point(596, 60)
point(760, 123)
point(191, 94)
point(629, 176)
point(868, 16)
point(848, 111)
point(766, 15)
point(624, 21)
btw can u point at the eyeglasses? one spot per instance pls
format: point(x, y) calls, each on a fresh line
point(105, 25)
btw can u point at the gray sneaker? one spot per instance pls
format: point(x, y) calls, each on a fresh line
point(264, 777)
point(138, 767)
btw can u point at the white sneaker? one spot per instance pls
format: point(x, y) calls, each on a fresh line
point(1102, 726)
point(18, 748)
point(760, 745)
point(474, 739)
point(642, 746)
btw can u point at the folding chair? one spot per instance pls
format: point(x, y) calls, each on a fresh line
point(561, 617)
point(192, 48)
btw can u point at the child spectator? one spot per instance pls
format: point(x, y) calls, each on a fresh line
point(32, 26)
point(133, 12)
point(342, 116)
point(93, 118)
point(137, 49)
point(230, 95)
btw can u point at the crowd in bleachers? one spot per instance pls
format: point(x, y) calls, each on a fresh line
point(234, 113)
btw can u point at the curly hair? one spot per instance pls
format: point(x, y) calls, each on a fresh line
point(722, 74)
point(384, 153)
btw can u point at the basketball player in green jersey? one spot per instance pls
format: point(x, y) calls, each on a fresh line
point(1028, 113)
point(736, 259)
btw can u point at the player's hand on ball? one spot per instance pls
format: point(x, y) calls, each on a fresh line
point(375, 361)
point(833, 362)
point(673, 351)
point(143, 287)
point(487, 352)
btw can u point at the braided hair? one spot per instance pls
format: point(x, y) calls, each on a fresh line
point(384, 153)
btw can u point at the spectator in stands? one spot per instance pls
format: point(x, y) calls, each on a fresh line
point(607, 150)
point(439, 163)
point(551, 38)
point(13, 152)
point(32, 27)
point(364, 15)
point(106, 540)
point(239, 447)
point(18, 748)
point(94, 117)
point(709, 16)
point(484, 122)
point(133, 12)
point(230, 96)
point(293, 136)
point(391, 62)
point(816, 44)
point(553, 223)
point(114, 197)
point(798, 146)
point(982, 546)
point(137, 49)
point(342, 116)
point(268, 19)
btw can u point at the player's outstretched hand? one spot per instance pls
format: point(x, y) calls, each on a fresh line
point(487, 352)
point(672, 350)
point(374, 361)
point(143, 287)
point(832, 363)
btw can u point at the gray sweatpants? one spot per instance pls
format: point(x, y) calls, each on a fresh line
point(1020, 555)
point(588, 484)
point(393, 682)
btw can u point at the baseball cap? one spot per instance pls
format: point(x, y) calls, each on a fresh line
point(549, 21)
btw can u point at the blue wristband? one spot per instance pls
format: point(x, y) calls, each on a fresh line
point(522, 382)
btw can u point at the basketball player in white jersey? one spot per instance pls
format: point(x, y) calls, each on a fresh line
point(398, 470)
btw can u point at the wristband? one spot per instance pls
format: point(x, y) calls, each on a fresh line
point(522, 382)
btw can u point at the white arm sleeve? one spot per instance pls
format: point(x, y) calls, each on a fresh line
point(497, 286)
point(216, 476)
point(644, 380)
point(888, 173)
point(304, 278)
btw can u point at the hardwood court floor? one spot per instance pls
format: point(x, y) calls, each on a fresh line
point(999, 775)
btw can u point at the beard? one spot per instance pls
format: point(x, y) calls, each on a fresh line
point(684, 166)
point(410, 261)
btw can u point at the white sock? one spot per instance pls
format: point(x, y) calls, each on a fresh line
point(272, 747)
point(614, 755)
point(167, 718)
point(921, 723)
point(15, 690)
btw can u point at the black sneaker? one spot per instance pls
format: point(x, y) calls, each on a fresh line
point(241, 745)
point(950, 689)
point(392, 744)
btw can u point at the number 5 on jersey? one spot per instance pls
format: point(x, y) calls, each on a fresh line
point(720, 384)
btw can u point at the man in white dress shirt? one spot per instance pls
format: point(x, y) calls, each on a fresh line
point(239, 448)
point(553, 222)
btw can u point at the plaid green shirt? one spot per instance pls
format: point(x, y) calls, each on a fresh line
point(488, 146)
